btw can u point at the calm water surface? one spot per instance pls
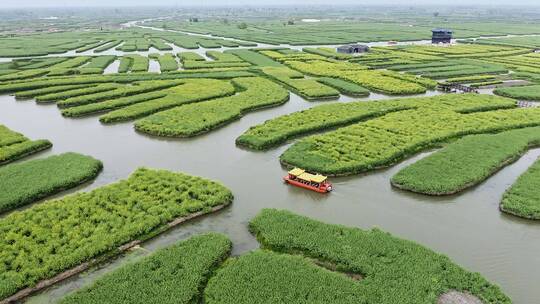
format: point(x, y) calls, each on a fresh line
point(469, 227)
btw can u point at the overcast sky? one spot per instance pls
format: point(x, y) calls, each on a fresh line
point(72, 3)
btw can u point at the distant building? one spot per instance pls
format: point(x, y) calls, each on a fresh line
point(353, 49)
point(441, 35)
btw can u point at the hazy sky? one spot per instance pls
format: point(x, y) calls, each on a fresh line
point(71, 3)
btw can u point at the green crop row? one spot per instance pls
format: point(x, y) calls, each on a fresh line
point(108, 46)
point(202, 117)
point(485, 83)
point(40, 83)
point(26, 74)
point(466, 162)
point(327, 52)
point(49, 90)
point(190, 56)
point(527, 92)
point(523, 198)
point(167, 62)
point(68, 94)
point(191, 91)
point(381, 81)
point(386, 140)
point(109, 105)
point(173, 275)
point(254, 58)
point(278, 130)
point(43, 241)
point(117, 92)
point(14, 145)
point(27, 182)
point(309, 89)
point(469, 79)
point(133, 63)
point(323, 263)
point(344, 87)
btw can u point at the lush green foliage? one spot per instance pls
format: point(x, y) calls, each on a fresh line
point(115, 91)
point(466, 162)
point(393, 270)
point(14, 145)
point(172, 275)
point(307, 88)
point(254, 58)
point(523, 198)
point(167, 62)
point(385, 140)
point(47, 91)
point(133, 63)
point(344, 87)
point(527, 92)
point(278, 130)
point(197, 118)
point(192, 90)
point(27, 182)
point(67, 94)
point(48, 238)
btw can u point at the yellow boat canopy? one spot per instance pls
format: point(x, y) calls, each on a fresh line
point(302, 174)
point(296, 171)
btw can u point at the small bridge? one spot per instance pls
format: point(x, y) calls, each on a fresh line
point(456, 87)
point(528, 104)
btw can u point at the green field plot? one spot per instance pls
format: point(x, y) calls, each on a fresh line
point(172, 275)
point(344, 87)
point(67, 94)
point(47, 239)
point(133, 63)
point(27, 182)
point(190, 91)
point(314, 262)
point(202, 117)
point(382, 133)
point(167, 62)
point(386, 140)
point(14, 145)
point(278, 130)
point(523, 198)
point(309, 89)
point(386, 82)
point(524, 93)
point(466, 162)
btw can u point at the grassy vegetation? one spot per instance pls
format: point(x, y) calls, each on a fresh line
point(42, 241)
point(115, 91)
point(49, 90)
point(27, 182)
point(278, 130)
point(133, 63)
point(14, 145)
point(383, 141)
point(202, 117)
point(392, 270)
point(67, 94)
point(254, 58)
point(466, 162)
point(523, 198)
point(526, 93)
point(191, 91)
point(309, 89)
point(167, 62)
point(174, 275)
point(344, 87)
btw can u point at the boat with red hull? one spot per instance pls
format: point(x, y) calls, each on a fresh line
point(315, 182)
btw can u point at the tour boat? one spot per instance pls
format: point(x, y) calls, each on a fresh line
point(315, 182)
